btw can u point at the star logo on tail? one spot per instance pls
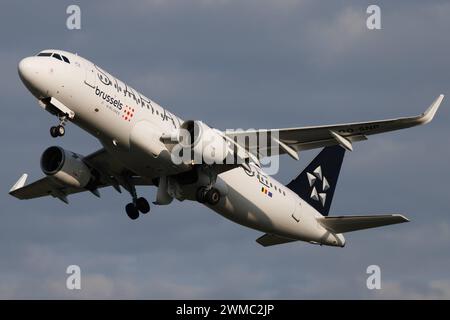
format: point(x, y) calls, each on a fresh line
point(316, 178)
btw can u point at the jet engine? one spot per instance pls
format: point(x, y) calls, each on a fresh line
point(65, 167)
point(206, 145)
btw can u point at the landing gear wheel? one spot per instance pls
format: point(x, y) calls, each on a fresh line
point(213, 196)
point(60, 130)
point(54, 132)
point(201, 195)
point(142, 205)
point(132, 211)
point(57, 131)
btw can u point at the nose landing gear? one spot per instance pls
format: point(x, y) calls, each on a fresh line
point(59, 130)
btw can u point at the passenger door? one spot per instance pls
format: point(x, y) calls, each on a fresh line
point(91, 74)
point(297, 211)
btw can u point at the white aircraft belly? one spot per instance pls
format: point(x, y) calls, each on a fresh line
point(247, 205)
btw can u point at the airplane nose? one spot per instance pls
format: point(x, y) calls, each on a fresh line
point(25, 69)
point(29, 69)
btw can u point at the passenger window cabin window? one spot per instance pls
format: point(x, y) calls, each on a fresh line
point(44, 54)
point(57, 56)
point(65, 59)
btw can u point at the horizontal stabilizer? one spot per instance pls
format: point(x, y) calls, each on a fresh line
point(268, 240)
point(344, 224)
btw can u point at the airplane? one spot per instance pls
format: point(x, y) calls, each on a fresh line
point(143, 144)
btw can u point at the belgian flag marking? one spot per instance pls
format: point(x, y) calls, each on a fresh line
point(266, 191)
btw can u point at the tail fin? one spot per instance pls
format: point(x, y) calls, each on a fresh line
point(316, 184)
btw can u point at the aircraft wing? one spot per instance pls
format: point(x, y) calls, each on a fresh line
point(293, 140)
point(110, 174)
point(344, 224)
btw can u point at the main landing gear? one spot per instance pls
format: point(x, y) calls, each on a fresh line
point(138, 205)
point(210, 196)
point(133, 208)
point(59, 130)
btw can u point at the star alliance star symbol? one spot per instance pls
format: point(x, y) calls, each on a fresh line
point(318, 177)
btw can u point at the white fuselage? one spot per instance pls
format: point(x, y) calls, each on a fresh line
point(129, 126)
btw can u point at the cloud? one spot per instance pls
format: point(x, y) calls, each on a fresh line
point(329, 39)
point(434, 290)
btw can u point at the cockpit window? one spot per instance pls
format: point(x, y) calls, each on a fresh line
point(57, 56)
point(54, 55)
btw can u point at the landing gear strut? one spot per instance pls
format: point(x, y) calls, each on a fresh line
point(211, 196)
point(137, 205)
point(59, 130)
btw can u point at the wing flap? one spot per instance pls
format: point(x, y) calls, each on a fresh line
point(342, 224)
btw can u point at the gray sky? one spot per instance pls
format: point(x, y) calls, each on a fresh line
point(236, 64)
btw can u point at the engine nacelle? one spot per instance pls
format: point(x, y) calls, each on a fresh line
point(66, 167)
point(207, 145)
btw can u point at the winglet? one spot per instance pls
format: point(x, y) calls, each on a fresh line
point(428, 115)
point(20, 183)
